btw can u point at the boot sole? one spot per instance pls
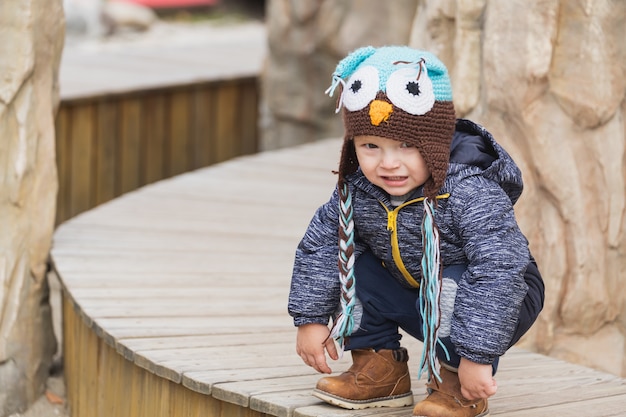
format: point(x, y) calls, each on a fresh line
point(403, 400)
point(485, 414)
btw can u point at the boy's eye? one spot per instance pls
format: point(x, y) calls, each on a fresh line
point(407, 145)
point(370, 146)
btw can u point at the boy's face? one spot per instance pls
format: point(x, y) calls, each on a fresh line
point(396, 167)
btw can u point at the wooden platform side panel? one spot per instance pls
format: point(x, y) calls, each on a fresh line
point(249, 105)
point(81, 155)
point(70, 366)
point(128, 144)
point(227, 121)
point(179, 132)
point(153, 138)
point(102, 383)
point(82, 348)
point(106, 151)
point(107, 146)
point(203, 132)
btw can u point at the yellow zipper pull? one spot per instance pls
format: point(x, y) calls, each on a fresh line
point(391, 219)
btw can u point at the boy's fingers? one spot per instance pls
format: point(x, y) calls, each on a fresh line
point(331, 349)
point(317, 362)
point(320, 365)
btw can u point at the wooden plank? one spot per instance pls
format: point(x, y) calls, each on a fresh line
point(229, 265)
point(284, 404)
point(71, 325)
point(106, 161)
point(222, 244)
point(205, 380)
point(167, 309)
point(241, 392)
point(159, 395)
point(249, 110)
point(203, 124)
point(88, 354)
point(128, 175)
point(184, 326)
point(81, 164)
point(209, 292)
point(105, 280)
point(223, 341)
point(114, 329)
point(608, 405)
point(224, 256)
point(271, 218)
point(179, 130)
point(214, 297)
point(227, 120)
point(63, 159)
point(111, 370)
point(271, 196)
point(153, 137)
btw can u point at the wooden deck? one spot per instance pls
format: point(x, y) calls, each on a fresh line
point(175, 303)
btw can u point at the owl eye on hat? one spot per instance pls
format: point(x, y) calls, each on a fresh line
point(399, 93)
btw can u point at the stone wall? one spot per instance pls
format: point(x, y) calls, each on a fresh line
point(547, 77)
point(551, 86)
point(31, 41)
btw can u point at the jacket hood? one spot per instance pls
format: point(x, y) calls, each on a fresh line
point(474, 151)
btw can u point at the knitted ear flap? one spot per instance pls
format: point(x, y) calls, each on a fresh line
point(348, 162)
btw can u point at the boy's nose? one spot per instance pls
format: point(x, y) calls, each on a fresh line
point(379, 111)
point(389, 160)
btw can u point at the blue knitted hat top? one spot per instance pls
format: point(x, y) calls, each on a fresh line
point(383, 60)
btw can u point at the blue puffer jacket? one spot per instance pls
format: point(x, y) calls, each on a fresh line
point(477, 227)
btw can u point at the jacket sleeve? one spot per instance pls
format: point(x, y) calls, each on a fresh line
point(492, 290)
point(314, 292)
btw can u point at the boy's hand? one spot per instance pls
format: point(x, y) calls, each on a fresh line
point(311, 344)
point(476, 380)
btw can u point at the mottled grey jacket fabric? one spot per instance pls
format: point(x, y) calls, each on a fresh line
point(477, 227)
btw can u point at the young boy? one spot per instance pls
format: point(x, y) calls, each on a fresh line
point(422, 219)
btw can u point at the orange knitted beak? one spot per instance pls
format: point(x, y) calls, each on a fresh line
point(380, 111)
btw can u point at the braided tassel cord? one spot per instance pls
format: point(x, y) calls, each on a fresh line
point(344, 323)
point(430, 291)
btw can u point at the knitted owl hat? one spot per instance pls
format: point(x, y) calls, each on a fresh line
point(399, 93)
point(403, 94)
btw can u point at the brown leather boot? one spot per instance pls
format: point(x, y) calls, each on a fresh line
point(375, 379)
point(445, 399)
